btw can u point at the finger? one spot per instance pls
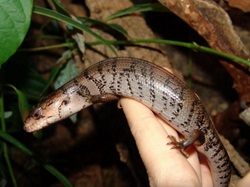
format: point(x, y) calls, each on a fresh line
point(202, 169)
point(193, 158)
point(165, 166)
point(206, 175)
point(244, 182)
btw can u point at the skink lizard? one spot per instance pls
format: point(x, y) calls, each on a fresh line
point(149, 84)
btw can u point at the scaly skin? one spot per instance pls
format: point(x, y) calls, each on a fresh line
point(147, 83)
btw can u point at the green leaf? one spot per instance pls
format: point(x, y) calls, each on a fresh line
point(58, 175)
point(14, 23)
point(60, 8)
point(26, 150)
point(102, 25)
point(66, 74)
point(192, 46)
point(34, 84)
point(118, 28)
point(70, 21)
point(22, 101)
point(157, 7)
point(3, 182)
point(7, 114)
point(8, 138)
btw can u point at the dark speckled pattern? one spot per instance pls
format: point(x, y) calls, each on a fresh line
point(155, 87)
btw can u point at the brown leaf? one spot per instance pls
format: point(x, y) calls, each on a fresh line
point(135, 26)
point(215, 26)
point(243, 5)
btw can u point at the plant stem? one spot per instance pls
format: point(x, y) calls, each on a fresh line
point(4, 145)
point(194, 46)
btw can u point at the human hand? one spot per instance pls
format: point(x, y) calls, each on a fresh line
point(245, 181)
point(165, 166)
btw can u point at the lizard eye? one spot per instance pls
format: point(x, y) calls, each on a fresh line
point(65, 102)
point(37, 114)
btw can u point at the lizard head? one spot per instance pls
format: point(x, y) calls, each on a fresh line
point(53, 108)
